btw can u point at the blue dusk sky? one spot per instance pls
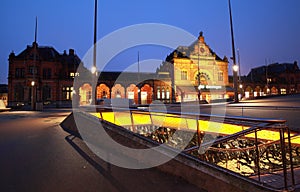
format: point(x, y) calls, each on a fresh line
point(265, 30)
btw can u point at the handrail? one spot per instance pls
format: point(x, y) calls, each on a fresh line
point(193, 114)
point(253, 126)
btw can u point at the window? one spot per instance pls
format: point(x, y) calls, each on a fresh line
point(158, 92)
point(67, 93)
point(183, 75)
point(163, 93)
point(20, 73)
point(47, 72)
point(167, 93)
point(31, 70)
point(220, 76)
point(72, 74)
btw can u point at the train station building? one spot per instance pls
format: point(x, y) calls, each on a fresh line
point(189, 73)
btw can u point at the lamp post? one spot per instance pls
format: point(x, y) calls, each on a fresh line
point(94, 68)
point(235, 67)
point(32, 95)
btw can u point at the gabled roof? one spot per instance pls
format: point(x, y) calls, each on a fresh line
point(186, 51)
point(46, 53)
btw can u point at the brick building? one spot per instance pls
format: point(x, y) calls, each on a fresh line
point(186, 72)
point(43, 74)
point(273, 79)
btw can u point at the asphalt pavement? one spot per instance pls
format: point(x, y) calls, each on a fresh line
point(37, 155)
point(277, 107)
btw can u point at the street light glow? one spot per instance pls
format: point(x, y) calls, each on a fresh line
point(32, 83)
point(93, 69)
point(235, 68)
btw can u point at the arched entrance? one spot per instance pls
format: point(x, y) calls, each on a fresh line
point(266, 90)
point(257, 91)
point(118, 91)
point(248, 92)
point(146, 94)
point(132, 93)
point(274, 91)
point(103, 91)
point(85, 92)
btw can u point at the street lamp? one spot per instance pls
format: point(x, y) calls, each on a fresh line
point(235, 67)
point(32, 95)
point(94, 68)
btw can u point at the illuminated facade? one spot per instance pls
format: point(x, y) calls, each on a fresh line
point(112, 85)
point(187, 74)
point(197, 71)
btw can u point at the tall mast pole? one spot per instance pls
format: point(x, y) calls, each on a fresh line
point(35, 33)
point(138, 83)
point(94, 70)
point(235, 67)
point(33, 82)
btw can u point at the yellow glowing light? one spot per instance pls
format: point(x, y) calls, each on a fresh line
point(176, 122)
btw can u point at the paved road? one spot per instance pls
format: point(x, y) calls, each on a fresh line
point(281, 107)
point(36, 156)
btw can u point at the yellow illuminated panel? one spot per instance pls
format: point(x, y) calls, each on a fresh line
point(141, 119)
point(174, 121)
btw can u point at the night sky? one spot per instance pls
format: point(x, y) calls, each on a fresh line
point(265, 30)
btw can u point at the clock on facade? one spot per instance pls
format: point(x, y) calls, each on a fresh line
point(201, 49)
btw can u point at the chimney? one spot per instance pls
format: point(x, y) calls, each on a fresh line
point(71, 51)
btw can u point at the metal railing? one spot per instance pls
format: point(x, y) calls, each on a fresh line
point(260, 150)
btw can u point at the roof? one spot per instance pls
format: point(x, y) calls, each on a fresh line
point(274, 68)
point(46, 53)
point(187, 51)
point(131, 76)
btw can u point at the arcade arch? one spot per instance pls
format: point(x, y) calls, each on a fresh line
point(118, 91)
point(85, 92)
point(102, 91)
